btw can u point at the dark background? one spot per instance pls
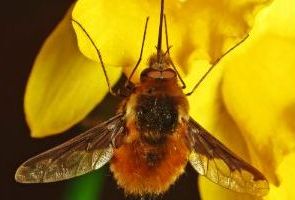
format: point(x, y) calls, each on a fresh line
point(24, 27)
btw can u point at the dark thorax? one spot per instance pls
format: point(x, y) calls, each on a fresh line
point(157, 103)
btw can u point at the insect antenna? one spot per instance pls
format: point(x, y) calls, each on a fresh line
point(214, 64)
point(99, 56)
point(140, 55)
point(168, 48)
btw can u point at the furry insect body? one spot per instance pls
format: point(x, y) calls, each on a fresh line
point(155, 151)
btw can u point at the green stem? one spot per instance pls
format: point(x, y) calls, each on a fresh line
point(87, 187)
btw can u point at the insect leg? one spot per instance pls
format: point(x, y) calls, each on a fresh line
point(99, 56)
point(214, 64)
point(140, 55)
point(167, 51)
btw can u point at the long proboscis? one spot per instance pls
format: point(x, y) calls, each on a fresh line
point(159, 46)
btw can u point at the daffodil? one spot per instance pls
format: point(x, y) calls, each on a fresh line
point(247, 102)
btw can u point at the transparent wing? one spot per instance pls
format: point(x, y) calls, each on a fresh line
point(212, 159)
point(84, 153)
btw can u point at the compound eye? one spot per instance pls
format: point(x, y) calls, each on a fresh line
point(157, 74)
point(168, 74)
point(154, 74)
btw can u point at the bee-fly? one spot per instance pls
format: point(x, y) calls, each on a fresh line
point(150, 140)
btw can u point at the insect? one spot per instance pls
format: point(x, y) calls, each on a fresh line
point(150, 140)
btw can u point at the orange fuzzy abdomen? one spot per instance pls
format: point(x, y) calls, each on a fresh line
point(142, 168)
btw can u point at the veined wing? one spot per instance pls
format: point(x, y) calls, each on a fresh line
point(84, 153)
point(212, 159)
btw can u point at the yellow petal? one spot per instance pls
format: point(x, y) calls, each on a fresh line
point(284, 191)
point(207, 107)
point(64, 85)
point(286, 174)
point(258, 87)
point(194, 25)
point(209, 190)
point(117, 29)
point(212, 27)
